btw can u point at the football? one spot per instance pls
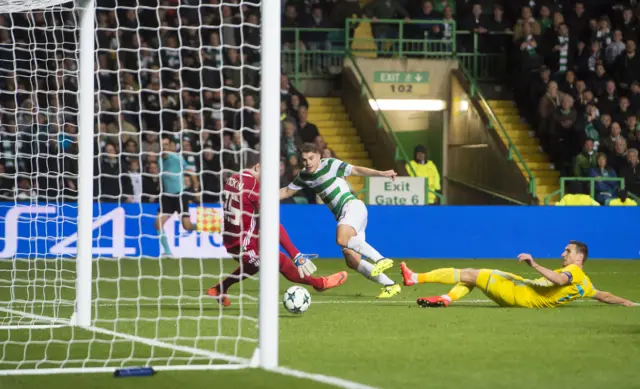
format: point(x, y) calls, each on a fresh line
point(296, 299)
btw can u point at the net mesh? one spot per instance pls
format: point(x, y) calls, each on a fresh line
point(184, 72)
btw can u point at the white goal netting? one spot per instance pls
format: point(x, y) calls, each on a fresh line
point(168, 73)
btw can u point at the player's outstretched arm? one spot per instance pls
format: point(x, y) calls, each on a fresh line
point(609, 298)
point(286, 192)
point(367, 172)
point(556, 278)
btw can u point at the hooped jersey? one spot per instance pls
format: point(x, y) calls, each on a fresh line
point(328, 183)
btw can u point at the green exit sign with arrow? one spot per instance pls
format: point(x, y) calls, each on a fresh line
point(389, 82)
point(401, 77)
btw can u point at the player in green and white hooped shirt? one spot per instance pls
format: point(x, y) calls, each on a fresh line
point(325, 178)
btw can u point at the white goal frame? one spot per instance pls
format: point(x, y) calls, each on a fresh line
point(266, 354)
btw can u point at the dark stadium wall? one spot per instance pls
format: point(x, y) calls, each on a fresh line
point(476, 156)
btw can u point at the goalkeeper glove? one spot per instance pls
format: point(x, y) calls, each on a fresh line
point(304, 264)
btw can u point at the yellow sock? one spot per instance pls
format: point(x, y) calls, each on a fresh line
point(459, 291)
point(440, 276)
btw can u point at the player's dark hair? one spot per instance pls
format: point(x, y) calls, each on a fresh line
point(170, 138)
point(252, 159)
point(310, 148)
point(581, 248)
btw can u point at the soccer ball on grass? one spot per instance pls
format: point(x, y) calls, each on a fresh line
point(296, 299)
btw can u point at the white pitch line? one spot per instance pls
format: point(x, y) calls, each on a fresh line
point(205, 301)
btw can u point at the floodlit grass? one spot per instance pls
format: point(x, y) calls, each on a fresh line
point(346, 333)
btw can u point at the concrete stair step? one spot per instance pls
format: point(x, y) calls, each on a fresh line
point(321, 117)
point(541, 173)
point(505, 111)
point(320, 109)
point(516, 126)
point(508, 120)
point(539, 165)
point(517, 136)
point(501, 104)
point(522, 141)
point(331, 130)
point(358, 162)
point(339, 148)
point(547, 181)
point(345, 123)
point(545, 190)
point(323, 101)
point(335, 139)
point(539, 157)
point(353, 154)
point(529, 149)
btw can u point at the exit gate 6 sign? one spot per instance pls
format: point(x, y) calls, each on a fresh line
point(402, 191)
point(400, 83)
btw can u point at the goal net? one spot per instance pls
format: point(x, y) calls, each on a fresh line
point(167, 75)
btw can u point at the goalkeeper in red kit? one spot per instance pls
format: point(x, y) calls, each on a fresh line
point(240, 236)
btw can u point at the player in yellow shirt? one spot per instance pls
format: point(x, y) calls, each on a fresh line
point(554, 288)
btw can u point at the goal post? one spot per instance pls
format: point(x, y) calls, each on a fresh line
point(86, 13)
point(270, 181)
point(84, 284)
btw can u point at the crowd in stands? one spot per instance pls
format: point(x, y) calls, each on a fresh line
point(577, 77)
point(190, 70)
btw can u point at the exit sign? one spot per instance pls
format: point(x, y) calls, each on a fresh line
point(401, 77)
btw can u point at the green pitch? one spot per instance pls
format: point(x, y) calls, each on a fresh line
point(346, 333)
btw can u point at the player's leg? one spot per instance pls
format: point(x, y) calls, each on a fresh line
point(320, 284)
point(498, 286)
point(458, 291)
point(166, 209)
point(187, 224)
point(355, 216)
point(354, 260)
point(352, 222)
point(347, 230)
point(449, 276)
point(287, 244)
point(249, 265)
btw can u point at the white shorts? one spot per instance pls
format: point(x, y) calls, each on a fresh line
point(355, 214)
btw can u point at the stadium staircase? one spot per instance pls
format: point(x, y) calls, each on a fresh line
point(333, 123)
point(522, 135)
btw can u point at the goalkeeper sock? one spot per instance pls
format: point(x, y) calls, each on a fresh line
point(164, 241)
point(458, 291)
point(365, 268)
point(243, 271)
point(286, 243)
point(363, 248)
point(290, 272)
point(440, 276)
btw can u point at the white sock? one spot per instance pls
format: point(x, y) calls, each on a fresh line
point(446, 297)
point(414, 277)
point(363, 248)
point(365, 268)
